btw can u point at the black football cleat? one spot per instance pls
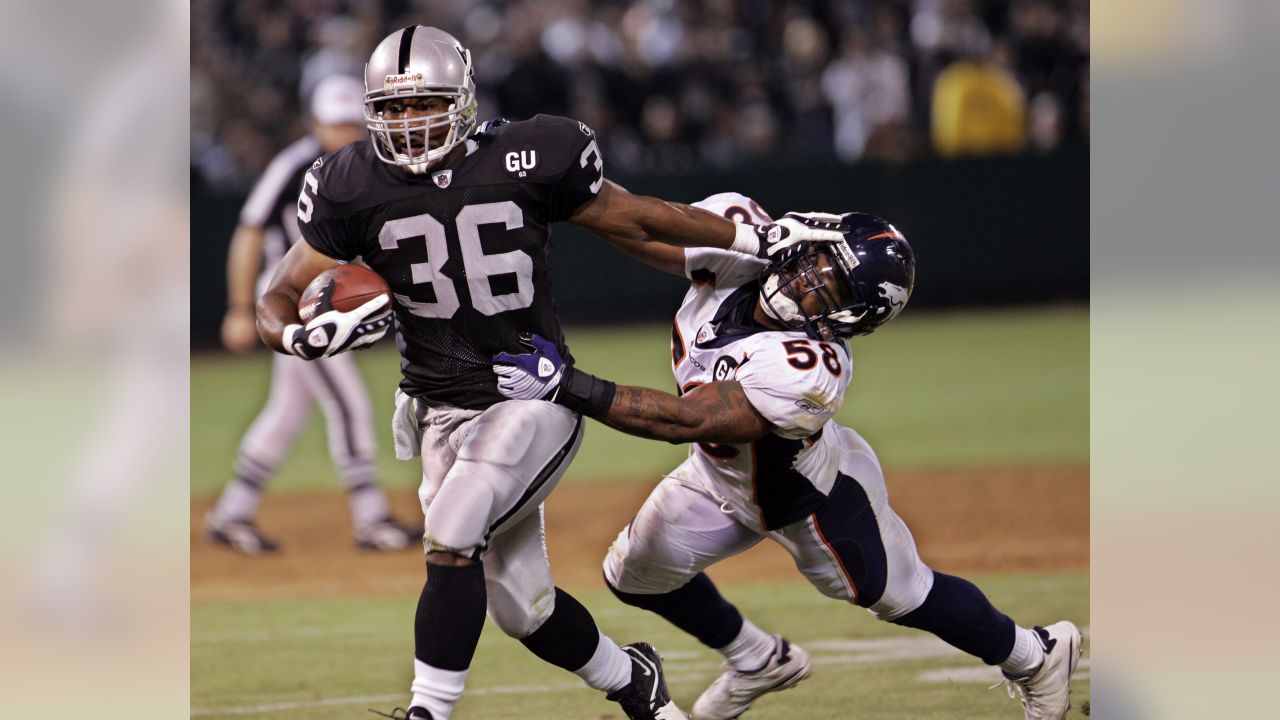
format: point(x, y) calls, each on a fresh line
point(646, 696)
point(413, 713)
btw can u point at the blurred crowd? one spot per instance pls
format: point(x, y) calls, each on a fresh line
point(670, 84)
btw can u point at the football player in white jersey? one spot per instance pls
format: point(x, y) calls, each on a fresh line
point(760, 356)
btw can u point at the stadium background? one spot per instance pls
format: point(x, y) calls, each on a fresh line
point(976, 399)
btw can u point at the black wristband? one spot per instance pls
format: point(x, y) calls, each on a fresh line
point(585, 393)
point(763, 251)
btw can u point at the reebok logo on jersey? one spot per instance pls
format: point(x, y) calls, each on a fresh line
point(585, 130)
point(810, 407)
point(442, 178)
point(545, 368)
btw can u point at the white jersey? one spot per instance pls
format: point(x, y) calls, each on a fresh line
point(795, 382)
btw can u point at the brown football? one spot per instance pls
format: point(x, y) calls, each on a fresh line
point(355, 285)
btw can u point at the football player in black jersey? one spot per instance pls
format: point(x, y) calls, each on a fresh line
point(457, 218)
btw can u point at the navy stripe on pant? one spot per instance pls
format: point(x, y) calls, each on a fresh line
point(848, 526)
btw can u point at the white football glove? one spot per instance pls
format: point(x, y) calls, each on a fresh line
point(335, 331)
point(767, 241)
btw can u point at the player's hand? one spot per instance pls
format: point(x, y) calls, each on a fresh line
point(239, 330)
point(796, 228)
point(332, 332)
point(532, 375)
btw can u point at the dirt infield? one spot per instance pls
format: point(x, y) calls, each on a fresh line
point(973, 520)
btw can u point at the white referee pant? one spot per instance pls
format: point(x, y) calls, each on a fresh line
point(338, 388)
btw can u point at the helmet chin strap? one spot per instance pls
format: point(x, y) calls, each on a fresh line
point(417, 168)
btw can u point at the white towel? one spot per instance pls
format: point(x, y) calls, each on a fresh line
point(406, 430)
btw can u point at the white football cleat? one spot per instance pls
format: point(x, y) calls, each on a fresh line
point(733, 692)
point(387, 535)
point(1046, 692)
point(239, 535)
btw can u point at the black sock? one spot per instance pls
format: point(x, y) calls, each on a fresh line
point(450, 616)
point(696, 608)
point(568, 638)
point(958, 612)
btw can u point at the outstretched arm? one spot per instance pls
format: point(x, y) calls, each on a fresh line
point(667, 258)
point(655, 230)
point(615, 214)
point(716, 412)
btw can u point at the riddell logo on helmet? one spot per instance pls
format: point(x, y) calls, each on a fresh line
point(401, 80)
point(846, 255)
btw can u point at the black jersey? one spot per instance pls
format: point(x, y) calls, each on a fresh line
point(465, 249)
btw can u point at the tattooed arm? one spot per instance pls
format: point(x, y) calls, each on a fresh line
point(715, 412)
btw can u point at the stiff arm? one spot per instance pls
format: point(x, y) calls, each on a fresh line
point(716, 412)
point(656, 231)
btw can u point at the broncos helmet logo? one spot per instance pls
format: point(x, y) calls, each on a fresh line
point(897, 297)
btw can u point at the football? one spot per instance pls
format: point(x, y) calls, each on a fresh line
point(354, 285)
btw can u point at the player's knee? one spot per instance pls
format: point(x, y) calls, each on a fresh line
point(836, 591)
point(458, 517)
point(519, 613)
point(613, 560)
point(630, 572)
point(906, 591)
point(449, 559)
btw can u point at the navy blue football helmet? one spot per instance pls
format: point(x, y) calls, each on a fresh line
point(841, 289)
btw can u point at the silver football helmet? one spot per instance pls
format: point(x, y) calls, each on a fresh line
point(419, 61)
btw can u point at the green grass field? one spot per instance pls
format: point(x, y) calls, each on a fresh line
point(332, 659)
point(931, 390)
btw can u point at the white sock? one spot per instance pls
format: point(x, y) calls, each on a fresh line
point(437, 690)
point(750, 650)
point(1027, 653)
point(608, 669)
point(238, 501)
point(368, 506)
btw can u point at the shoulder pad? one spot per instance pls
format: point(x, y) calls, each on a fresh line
point(346, 172)
point(794, 382)
point(492, 124)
